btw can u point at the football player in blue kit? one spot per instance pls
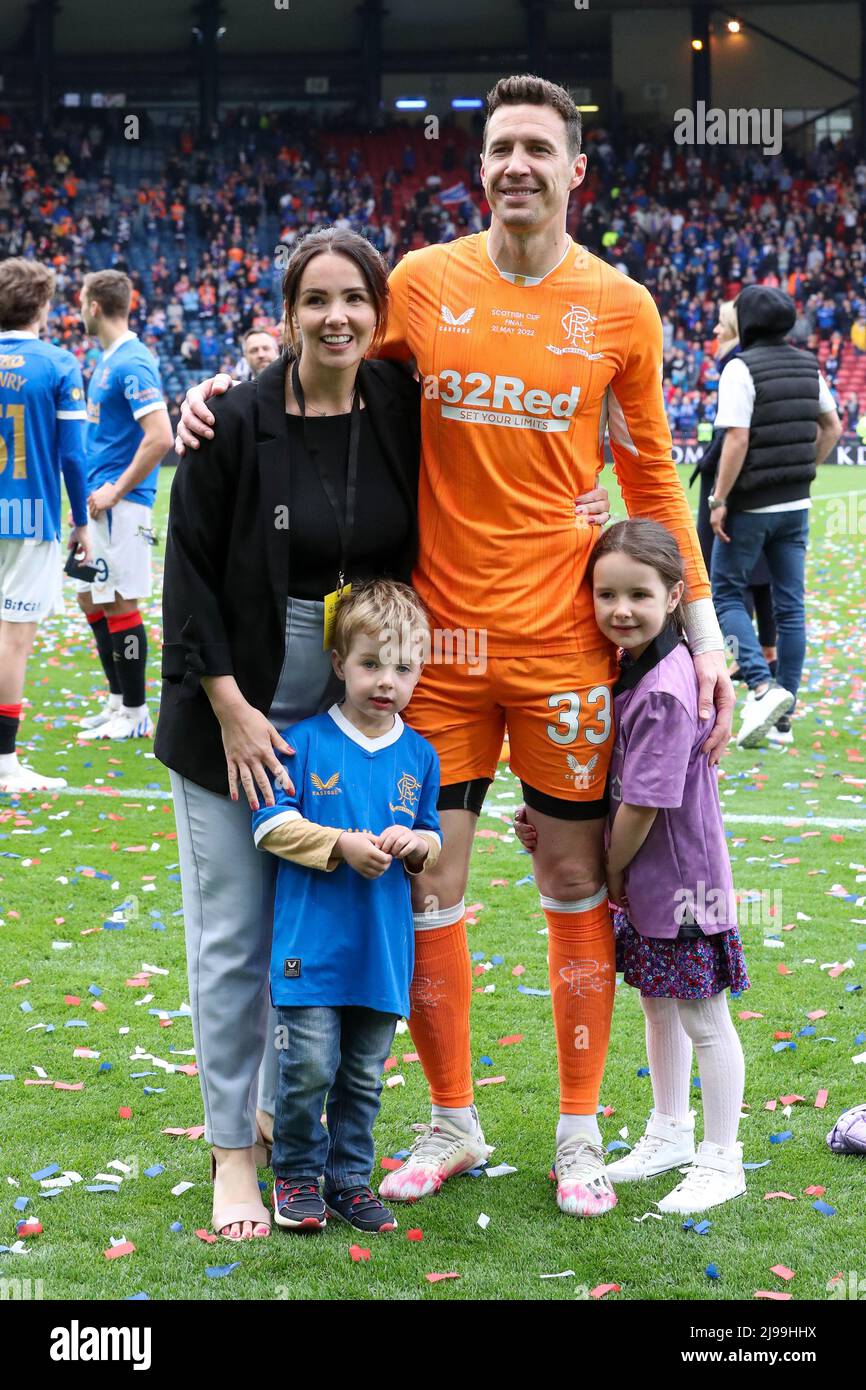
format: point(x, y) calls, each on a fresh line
point(128, 434)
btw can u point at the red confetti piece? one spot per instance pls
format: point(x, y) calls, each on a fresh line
point(118, 1251)
point(206, 1236)
point(510, 1039)
point(390, 1063)
point(124, 1112)
point(68, 1086)
point(391, 1164)
point(359, 1254)
point(436, 1278)
point(490, 1081)
point(782, 1271)
point(99, 1006)
point(519, 970)
point(499, 882)
point(770, 1105)
point(410, 1057)
point(773, 1294)
point(747, 1013)
point(608, 1111)
point(816, 1014)
point(768, 1196)
point(415, 1233)
point(790, 1100)
point(71, 999)
point(29, 1228)
point(821, 1099)
point(782, 1037)
point(601, 1289)
point(814, 1191)
point(783, 970)
point(19, 983)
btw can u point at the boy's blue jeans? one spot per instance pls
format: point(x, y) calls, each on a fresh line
point(783, 537)
point(338, 1053)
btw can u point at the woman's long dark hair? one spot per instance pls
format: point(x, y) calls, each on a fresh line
point(651, 544)
point(336, 242)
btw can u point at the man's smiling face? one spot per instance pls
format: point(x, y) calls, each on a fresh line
point(526, 169)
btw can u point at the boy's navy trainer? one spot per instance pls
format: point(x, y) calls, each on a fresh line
point(299, 1206)
point(362, 1209)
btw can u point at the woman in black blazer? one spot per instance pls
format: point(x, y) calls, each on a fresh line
point(261, 525)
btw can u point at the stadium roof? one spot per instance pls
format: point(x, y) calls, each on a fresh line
point(88, 27)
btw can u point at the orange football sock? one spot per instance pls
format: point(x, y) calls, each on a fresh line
point(582, 982)
point(439, 1020)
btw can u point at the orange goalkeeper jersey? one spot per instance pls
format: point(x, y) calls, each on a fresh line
point(520, 382)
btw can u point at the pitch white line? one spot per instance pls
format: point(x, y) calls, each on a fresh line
point(732, 818)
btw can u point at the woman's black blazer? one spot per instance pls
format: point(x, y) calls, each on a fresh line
point(227, 553)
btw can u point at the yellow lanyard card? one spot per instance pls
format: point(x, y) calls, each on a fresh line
point(331, 603)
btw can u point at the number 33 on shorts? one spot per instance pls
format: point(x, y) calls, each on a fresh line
point(585, 720)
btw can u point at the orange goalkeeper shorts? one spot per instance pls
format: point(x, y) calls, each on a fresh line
point(556, 710)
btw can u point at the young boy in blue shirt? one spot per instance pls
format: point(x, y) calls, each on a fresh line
point(361, 817)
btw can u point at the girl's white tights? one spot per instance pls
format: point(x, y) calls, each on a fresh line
point(673, 1027)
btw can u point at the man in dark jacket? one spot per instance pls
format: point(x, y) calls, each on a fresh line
point(781, 422)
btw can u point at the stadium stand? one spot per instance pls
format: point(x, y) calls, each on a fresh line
point(196, 221)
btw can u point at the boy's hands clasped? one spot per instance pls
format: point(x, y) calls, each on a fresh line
point(370, 855)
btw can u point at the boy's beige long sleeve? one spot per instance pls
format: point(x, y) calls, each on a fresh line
point(312, 846)
point(302, 842)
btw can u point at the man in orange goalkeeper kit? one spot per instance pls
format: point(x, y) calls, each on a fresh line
point(529, 349)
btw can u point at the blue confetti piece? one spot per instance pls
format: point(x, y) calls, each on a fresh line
point(478, 955)
point(852, 989)
point(7, 1076)
point(752, 1166)
point(808, 1032)
point(712, 1272)
point(105, 1066)
point(696, 1082)
point(51, 1192)
point(702, 1227)
point(784, 1047)
point(154, 1171)
point(158, 926)
point(497, 960)
point(102, 1187)
point(21, 1203)
point(529, 878)
point(136, 1297)
point(823, 1208)
point(475, 1172)
point(75, 1023)
point(220, 1271)
point(114, 926)
point(46, 1172)
point(688, 1224)
point(540, 993)
point(25, 1007)
point(860, 1038)
point(95, 990)
point(486, 1061)
point(401, 1153)
point(782, 1136)
point(176, 1226)
point(137, 1075)
point(642, 1071)
point(616, 1144)
point(154, 1090)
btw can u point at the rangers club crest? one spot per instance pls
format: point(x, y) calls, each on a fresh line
point(577, 326)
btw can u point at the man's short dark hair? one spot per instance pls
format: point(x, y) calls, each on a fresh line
point(112, 291)
point(526, 90)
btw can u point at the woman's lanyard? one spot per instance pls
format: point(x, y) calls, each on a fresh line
point(345, 521)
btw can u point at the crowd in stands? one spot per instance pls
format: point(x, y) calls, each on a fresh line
point(197, 219)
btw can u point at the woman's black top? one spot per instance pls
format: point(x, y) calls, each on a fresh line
point(384, 515)
point(232, 534)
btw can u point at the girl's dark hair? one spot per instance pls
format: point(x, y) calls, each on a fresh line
point(651, 544)
point(335, 242)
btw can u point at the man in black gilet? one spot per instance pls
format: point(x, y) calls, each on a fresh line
point(781, 422)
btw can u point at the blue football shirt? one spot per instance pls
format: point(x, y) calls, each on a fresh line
point(125, 386)
point(339, 938)
point(42, 424)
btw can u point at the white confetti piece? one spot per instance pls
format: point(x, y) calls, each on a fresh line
point(563, 1274)
point(483, 1221)
point(397, 1080)
point(121, 1167)
point(181, 1188)
point(108, 1177)
point(500, 1170)
point(152, 969)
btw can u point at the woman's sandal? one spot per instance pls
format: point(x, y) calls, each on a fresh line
point(237, 1213)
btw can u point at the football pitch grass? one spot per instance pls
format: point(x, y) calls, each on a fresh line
point(76, 975)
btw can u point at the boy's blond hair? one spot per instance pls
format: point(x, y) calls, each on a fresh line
point(25, 288)
point(385, 609)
